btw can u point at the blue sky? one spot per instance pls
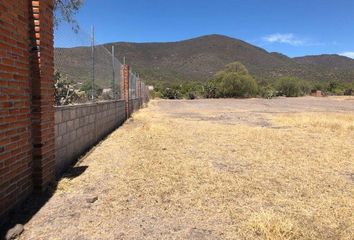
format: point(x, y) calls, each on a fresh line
point(291, 27)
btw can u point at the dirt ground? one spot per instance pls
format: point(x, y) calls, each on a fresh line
point(214, 169)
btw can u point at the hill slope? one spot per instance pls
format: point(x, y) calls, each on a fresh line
point(330, 67)
point(330, 61)
point(200, 58)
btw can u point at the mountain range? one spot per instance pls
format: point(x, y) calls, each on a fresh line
point(199, 59)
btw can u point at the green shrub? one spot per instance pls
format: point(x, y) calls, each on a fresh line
point(234, 81)
point(155, 94)
point(171, 93)
point(236, 67)
point(87, 88)
point(267, 91)
point(236, 85)
point(349, 92)
point(333, 86)
point(209, 89)
point(191, 95)
point(320, 86)
point(292, 87)
point(340, 88)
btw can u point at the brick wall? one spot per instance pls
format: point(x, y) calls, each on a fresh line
point(77, 128)
point(15, 104)
point(26, 99)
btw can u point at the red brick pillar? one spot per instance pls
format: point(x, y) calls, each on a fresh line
point(15, 105)
point(42, 65)
point(125, 88)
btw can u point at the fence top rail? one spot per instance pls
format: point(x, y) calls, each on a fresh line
point(88, 104)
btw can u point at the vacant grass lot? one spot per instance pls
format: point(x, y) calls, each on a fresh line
point(214, 169)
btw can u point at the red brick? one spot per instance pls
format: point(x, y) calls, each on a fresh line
point(125, 87)
point(23, 25)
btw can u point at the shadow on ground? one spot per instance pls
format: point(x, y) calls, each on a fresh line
point(25, 211)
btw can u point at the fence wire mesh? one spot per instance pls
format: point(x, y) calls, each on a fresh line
point(85, 70)
point(132, 85)
point(142, 88)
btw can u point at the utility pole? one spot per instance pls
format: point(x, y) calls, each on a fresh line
point(93, 61)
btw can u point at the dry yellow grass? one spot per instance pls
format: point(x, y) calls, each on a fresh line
point(161, 177)
point(335, 122)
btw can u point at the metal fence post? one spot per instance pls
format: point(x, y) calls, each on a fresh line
point(114, 74)
point(93, 61)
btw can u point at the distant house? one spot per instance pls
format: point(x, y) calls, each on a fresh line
point(316, 93)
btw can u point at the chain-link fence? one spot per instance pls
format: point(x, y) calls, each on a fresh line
point(84, 70)
point(132, 85)
point(142, 89)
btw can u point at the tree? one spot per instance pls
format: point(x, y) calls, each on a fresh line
point(65, 10)
point(292, 87)
point(171, 93)
point(332, 86)
point(236, 85)
point(267, 91)
point(236, 67)
point(234, 81)
point(210, 89)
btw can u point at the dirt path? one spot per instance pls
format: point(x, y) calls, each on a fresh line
point(222, 169)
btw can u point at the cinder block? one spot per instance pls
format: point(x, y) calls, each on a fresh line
point(76, 123)
point(79, 132)
point(81, 121)
point(56, 129)
point(58, 116)
point(90, 128)
point(60, 155)
point(79, 112)
point(66, 115)
point(58, 142)
point(83, 111)
point(72, 113)
point(93, 109)
point(70, 125)
point(62, 128)
point(66, 139)
point(70, 150)
point(72, 136)
point(92, 118)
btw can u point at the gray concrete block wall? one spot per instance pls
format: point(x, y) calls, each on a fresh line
point(79, 127)
point(135, 104)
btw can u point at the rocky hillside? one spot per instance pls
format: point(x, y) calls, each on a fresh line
point(200, 58)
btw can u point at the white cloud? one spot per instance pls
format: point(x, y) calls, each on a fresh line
point(347, 54)
point(288, 38)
